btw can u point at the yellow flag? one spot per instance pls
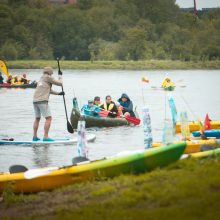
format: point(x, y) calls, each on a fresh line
point(3, 67)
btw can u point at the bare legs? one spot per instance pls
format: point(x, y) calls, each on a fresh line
point(35, 127)
point(46, 126)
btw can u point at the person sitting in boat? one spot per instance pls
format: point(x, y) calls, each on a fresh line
point(24, 79)
point(97, 101)
point(167, 83)
point(14, 80)
point(90, 109)
point(9, 79)
point(126, 105)
point(1, 78)
point(110, 106)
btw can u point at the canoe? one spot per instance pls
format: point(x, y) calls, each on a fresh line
point(194, 146)
point(195, 126)
point(95, 121)
point(89, 137)
point(125, 163)
point(207, 133)
point(24, 86)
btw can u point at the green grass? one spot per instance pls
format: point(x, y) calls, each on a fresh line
point(123, 65)
point(188, 189)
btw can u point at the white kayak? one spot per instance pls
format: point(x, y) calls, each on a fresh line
point(89, 137)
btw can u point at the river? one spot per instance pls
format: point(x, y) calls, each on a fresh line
point(197, 92)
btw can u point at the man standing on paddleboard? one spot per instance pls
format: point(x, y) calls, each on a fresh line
point(41, 99)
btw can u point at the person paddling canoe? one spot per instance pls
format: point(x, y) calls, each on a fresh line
point(41, 99)
point(126, 105)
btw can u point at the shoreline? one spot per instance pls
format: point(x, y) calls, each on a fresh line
point(116, 65)
point(187, 185)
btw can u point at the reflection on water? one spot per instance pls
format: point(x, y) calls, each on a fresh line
point(41, 156)
point(201, 95)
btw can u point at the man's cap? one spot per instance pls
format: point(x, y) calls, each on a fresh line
point(48, 70)
point(90, 101)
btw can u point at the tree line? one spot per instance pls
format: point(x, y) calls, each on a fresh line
point(107, 30)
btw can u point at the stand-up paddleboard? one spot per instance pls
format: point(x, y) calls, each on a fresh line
point(89, 137)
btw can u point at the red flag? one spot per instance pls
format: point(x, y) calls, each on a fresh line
point(207, 124)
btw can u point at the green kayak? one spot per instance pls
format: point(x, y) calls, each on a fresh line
point(124, 163)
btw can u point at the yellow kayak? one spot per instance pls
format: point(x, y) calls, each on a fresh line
point(195, 126)
point(205, 154)
point(49, 178)
point(194, 146)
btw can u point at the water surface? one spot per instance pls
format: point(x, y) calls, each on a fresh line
point(201, 95)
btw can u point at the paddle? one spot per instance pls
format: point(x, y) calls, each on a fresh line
point(133, 120)
point(17, 169)
point(69, 126)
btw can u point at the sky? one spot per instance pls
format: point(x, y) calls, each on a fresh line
point(200, 3)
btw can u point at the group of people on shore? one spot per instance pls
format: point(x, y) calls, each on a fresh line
point(109, 108)
point(14, 80)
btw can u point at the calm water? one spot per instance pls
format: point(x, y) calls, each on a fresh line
point(201, 95)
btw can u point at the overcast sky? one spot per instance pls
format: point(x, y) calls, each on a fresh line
point(200, 3)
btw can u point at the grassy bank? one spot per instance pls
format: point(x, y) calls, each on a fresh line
point(188, 189)
point(128, 65)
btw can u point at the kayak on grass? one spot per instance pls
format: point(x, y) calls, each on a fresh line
point(205, 154)
point(195, 146)
point(126, 163)
point(89, 137)
point(207, 133)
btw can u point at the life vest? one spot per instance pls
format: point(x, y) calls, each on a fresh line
point(110, 107)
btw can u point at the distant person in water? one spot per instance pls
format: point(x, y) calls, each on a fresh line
point(90, 109)
point(126, 105)
point(41, 99)
point(110, 106)
point(1, 78)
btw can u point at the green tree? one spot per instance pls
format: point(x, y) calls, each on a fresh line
point(133, 44)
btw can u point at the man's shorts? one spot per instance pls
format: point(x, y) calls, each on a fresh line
point(42, 108)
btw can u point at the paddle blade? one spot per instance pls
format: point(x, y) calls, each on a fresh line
point(17, 169)
point(103, 113)
point(135, 121)
point(70, 128)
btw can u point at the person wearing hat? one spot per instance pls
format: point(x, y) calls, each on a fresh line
point(90, 109)
point(97, 101)
point(126, 105)
point(41, 99)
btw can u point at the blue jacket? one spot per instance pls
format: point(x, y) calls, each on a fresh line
point(90, 110)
